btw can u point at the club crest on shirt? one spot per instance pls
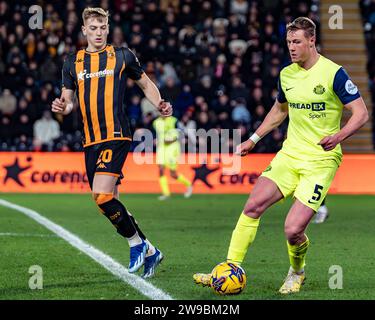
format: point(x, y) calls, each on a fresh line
point(319, 89)
point(111, 54)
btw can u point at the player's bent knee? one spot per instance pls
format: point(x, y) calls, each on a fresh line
point(253, 209)
point(293, 233)
point(101, 198)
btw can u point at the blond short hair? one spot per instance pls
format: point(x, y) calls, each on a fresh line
point(94, 13)
point(302, 23)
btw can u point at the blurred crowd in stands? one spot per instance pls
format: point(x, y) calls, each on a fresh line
point(216, 61)
point(368, 15)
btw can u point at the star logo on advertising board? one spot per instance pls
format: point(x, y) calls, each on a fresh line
point(201, 173)
point(14, 170)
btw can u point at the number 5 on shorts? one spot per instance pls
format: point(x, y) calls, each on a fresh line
point(317, 192)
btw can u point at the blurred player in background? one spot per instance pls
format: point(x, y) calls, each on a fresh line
point(322, 213)
point(168, 151)
point(312, 91)
point(98, 74)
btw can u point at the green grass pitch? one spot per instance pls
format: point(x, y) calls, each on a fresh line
point(194, 235)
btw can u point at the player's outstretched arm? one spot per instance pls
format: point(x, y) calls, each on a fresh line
point(358, 118)
point(64, 104)
point(152, 93)
point(274, 118)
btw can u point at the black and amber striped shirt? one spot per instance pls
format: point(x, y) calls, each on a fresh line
point(99, 78)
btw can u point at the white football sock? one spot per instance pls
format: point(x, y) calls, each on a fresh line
point(134, 240)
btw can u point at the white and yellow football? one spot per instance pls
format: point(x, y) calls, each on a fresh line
point(228, 279)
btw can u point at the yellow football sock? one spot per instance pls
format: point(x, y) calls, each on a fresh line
point(183, 180)
point(164, 186)
point(297, 254)
point(242, 237)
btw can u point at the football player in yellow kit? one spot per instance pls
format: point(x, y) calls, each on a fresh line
point(168, 151)
point(313, 91)
point(322, 213)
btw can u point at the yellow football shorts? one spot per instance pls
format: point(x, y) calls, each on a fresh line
point(168, 156)
point(309, 181)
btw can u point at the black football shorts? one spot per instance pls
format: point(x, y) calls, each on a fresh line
point(106, 158)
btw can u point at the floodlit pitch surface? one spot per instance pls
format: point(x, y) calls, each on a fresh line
point(83, 258)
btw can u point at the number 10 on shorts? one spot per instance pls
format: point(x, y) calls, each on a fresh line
point(105, 156)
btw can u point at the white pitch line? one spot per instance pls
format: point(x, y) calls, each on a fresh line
point(14, 234)
point(100, 257)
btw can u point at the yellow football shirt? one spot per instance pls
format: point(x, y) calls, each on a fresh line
point(315, 100)
point(165, 128)
point(167, 154)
